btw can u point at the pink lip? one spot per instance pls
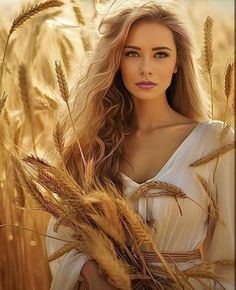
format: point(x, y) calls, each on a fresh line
point(145, 83)
point(145, 86)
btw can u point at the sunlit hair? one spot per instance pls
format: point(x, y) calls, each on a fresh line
point(102, 108)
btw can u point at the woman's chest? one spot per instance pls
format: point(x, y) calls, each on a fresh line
point(145, 156)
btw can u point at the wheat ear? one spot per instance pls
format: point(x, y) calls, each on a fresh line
point(228, 78)
point(58, 136)
point(24, 93)
point(65, 96)
point(213, 155)
point(21, 19)
point(104, 253)
point(139, 230)
point(78, 14)
point(208, 54)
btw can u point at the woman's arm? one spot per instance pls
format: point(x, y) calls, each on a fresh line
point(95, 279)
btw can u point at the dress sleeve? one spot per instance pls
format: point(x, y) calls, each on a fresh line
point(66, 269)
point(219, 244)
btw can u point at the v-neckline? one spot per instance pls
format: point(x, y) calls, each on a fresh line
point(184, 142)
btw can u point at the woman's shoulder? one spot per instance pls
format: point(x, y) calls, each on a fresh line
point(218, 131)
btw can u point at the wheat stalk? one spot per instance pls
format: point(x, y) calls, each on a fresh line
point(65, 96)
point(24, 16)
point(140, 231)
point(63, 183)
point(104, 253)
point(24, 94)
point(61, 79)
point(228, 79)
point(3, 99)
point(85, 40)
point(228, 86)
point(167, 189)
point(208, 54)
point(45, 98)
point(211, 156)
point(65, 56)
point(19, 189)
point(58, 137)
point(65, 249)
point(78, 14)
point(89, 174)
point(18, 136)
point(6, 118)
point(224, 132)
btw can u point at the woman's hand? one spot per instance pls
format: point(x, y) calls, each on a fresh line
point(95, 279)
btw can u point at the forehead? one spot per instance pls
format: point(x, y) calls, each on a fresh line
point(150, 33)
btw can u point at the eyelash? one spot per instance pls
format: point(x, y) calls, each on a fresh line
point(159, 53)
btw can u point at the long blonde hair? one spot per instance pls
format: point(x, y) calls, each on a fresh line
point(102, 108)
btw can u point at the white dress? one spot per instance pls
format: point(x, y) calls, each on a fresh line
point(176, 232)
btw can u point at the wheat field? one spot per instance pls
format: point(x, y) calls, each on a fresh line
point(35, 34)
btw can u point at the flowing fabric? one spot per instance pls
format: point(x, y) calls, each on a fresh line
point(178, 231)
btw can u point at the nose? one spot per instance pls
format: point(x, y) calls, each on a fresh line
point(146, 67)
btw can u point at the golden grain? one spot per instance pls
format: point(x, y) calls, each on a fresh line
point(62, 81)
point(58, 137)
point(33, 10)
point(228, 79)
point(211, 156)
point(78, 14)
point(208, 50)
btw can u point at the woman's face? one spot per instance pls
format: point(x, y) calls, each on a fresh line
point(149, 55)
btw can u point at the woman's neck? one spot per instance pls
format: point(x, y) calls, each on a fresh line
point(153, 113)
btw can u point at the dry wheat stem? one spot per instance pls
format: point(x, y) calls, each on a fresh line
point(3, 99)
point(65, 57)
point(19, 189)
point(33, 10)
point(65, 249)
point(210, 194)
point(63, 179)
point(21, 19)
point(18, 136)
point(208, 55)
point(58, 137)
point(213, 155)
point(62, 82)
point(89, 174)
point(33, 231)
point(228, 86)
point(105, 254)
point(208, 51)
point(224, 132)
point(29, 186)
point(168, 190)
point(65, 96)
point(78, 15)
point(140, 231)
point(228, 79)
point(24, 93)
point(6, 118)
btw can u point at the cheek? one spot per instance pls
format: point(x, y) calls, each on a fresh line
point(126, 71)
point(165, 71)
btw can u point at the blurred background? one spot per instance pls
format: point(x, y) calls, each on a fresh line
point(67, 33)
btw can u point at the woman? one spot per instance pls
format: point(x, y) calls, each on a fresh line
point(141, 113)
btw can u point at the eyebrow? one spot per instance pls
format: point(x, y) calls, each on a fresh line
point(154, 48)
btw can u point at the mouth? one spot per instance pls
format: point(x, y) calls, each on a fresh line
point(146, 85)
